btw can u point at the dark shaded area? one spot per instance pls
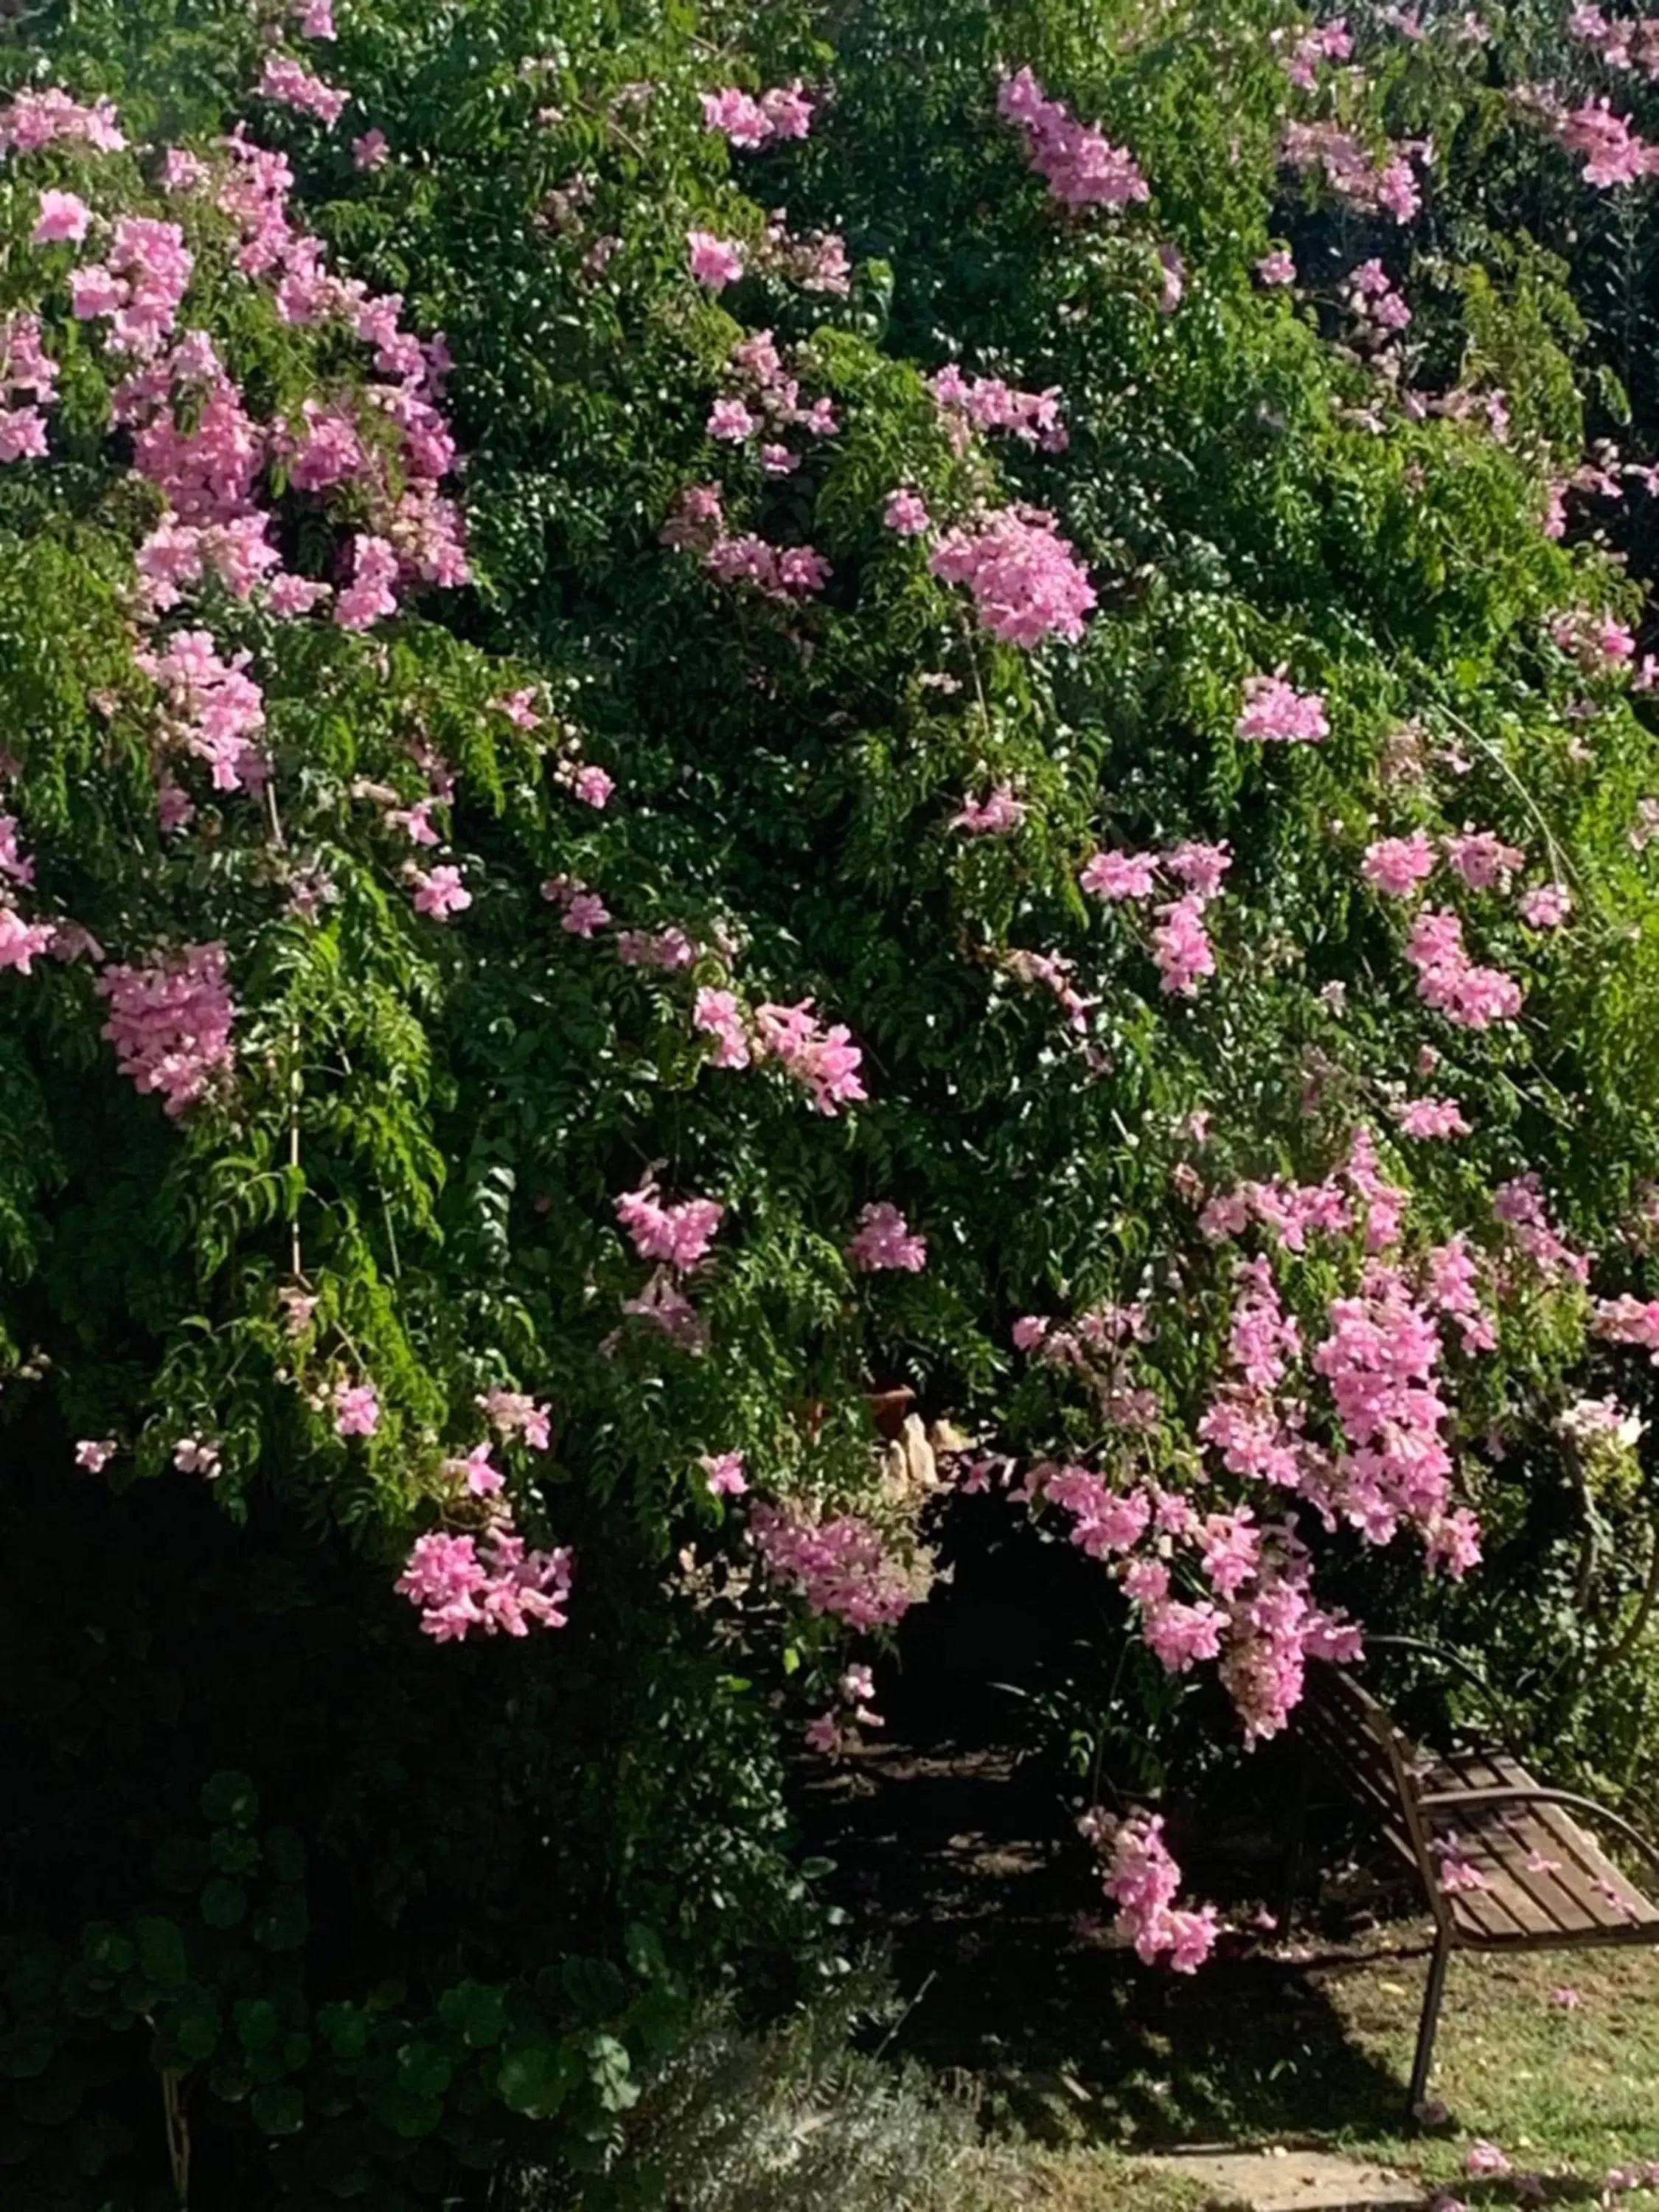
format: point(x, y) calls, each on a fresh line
point(954, 1843)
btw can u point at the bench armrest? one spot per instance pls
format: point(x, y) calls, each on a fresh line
point(1524, 1793)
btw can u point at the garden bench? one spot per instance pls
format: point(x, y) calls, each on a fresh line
point(1505, 1863)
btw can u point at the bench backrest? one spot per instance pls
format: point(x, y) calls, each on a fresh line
point(1353, 1735)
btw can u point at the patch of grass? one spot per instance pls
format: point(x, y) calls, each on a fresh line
point(1567, 2092)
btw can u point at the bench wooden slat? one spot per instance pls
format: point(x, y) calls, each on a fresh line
point(1547, 1882)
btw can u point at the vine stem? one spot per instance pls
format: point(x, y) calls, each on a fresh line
point(178, 2127)
point(1643, 1613)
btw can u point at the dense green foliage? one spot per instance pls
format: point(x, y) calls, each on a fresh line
point(368, 1916)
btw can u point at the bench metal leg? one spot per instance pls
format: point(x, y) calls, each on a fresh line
point(1430, 2021)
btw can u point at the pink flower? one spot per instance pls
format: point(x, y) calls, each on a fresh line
point(512, 1413)
point(1026, 580)
point(62, 215)
point(885, 1241)
point(95, 1454)
point(678, 1234)
point(990, 817)
point(592, 786)
point(731, 419)
point(476, 1473)
point(1398, 865)
point(1143, 1880)
point(723, 1472)
point(1277, 267)
point(190, 1455)
point(371, 151)
point(1199, 865)
point(22, 434)
point(1275, 710)
point(740, 119)
point(1472, 997)
point(357, 1410)
point(35, 119)
point(840, 1567)
point(1546, 906)
point(370, 595)
point(1181, 947)
point(292, 85)
point(584, 912)
point(503, 1592)
point(1081, 166)
point(170, 1023)
point(825, 1060)
point(1432, 1118)
point(715, 262)
point(1483, 860)
point(1485, 2158)
point(1119, 875)
point(1569, 1999)
point(717, 1014)
point(94, 291)
point(441, 893)
point(906, 513)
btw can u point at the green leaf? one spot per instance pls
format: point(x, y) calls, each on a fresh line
point(477, 2012)
point(536, 2078)
point(230, 1800)
point(279, 2108)
point(223, 1902)
point(258, 2022)
point(162, 1952)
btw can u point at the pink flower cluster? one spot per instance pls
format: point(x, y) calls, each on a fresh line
point(35, 119)
point(500, 1590)
point(215, 710)
point(1079, 165)
point(992, 817)
point(787, 574)
point(357, 1410)
point(1627, 1320)
point(986, 403)
point(723, 1474)
point(1519, 1204)
point(291, 84)
point(825, 1059)
point(1380, 1361)
point(171, 1023)
point(1027, 581)
point(767, 407)
point(744, 120)
point(1620, 44)
point(137, 287)
point(1599, 643)
point(906, 513)
point(716, 262)
point(1448, 982)
point(1398, 865)
point(1432, 1118)
point(513, 1413)
point(1277, 268)
point(840, 1567)
point(27, 374)
point(884, 1240)
point(1052, 972)
point(678, 1234)
point(1143, 1881)
point(1324, 42)
point(1378, 185)
point(1181, 947)
point(1276, 711)
point(1613, 153)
